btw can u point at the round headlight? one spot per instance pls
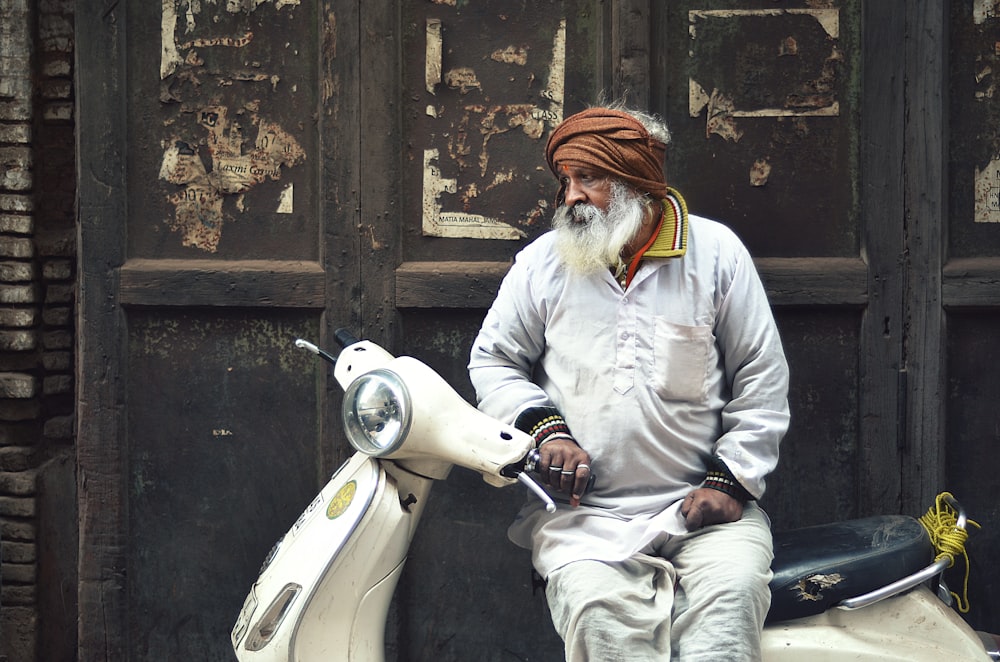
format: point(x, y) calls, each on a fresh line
point(376, 412)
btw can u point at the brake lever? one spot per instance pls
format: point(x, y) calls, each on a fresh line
point(525, 479)
point(528, 465)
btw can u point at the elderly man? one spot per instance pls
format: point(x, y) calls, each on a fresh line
point(636, 341)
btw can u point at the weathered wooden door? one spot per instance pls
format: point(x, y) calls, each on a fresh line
point(218, 215)
point(256, 171)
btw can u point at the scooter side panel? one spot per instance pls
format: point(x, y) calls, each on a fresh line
point(368, 632)
point(344, 618)
point(912, 627)
point(303, 555)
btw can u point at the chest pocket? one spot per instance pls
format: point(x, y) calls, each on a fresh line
point(681, 359)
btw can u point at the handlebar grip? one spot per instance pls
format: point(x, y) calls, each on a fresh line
point(345, 338)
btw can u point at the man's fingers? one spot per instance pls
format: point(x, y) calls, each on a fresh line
point(561, 466)
point(705, 507)
point(580, 479)
point(686, 504)
point(694, 518)
point(554, 475)
point(567, 477)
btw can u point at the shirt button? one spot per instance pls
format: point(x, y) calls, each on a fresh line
point(625, 300)
point(625, 335)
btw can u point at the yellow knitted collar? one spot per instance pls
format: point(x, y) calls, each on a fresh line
point(669, 240)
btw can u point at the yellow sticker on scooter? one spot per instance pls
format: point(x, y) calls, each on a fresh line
point(341, 500)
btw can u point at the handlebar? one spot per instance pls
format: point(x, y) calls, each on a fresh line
point(343, 337)
point(308, 346)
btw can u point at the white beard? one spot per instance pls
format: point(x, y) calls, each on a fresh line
point(589, 239)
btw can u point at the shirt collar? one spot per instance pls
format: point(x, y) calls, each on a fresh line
point(670, 238)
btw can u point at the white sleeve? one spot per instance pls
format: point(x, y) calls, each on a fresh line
point(756, 417)
point(509, 344)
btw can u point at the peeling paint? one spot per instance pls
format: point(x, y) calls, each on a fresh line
point(501, 178)
point(455, 224)
point(467, 130)
point(985, 82)
point(811, 588)
point(760, 171)
point(817, 105)
point(987, 193)
point(511, 55)
point(432, 55)
point(462, 79)
point(555, 88)
point(373, 241)
point(720, 118)
point(697, 98)
point(329, 81)
point(829, 19)
point(985, 9)
point(286, 201)
point(198, 208)
point(812, 98)
point(789, 46)
point(170, 48)
point(170, 58)
point(229, 42)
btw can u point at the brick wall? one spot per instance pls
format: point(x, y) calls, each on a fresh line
point(37, 285)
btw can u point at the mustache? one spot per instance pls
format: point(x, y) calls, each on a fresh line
point(579, 213)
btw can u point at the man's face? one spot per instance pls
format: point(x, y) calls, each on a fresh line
point(582, 185)
point(592, 232)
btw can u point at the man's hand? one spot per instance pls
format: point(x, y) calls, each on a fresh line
point(564, 466)
point(705, 506)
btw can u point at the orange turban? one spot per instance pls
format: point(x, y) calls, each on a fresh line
point(611, 141)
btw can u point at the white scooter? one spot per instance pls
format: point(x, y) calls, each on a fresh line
point(855, 590)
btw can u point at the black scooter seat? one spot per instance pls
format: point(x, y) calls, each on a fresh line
point(818, 566)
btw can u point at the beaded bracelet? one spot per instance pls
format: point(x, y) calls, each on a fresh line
point(720, 478)
point(544, 424)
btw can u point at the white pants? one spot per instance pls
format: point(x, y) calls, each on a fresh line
point(700, 596)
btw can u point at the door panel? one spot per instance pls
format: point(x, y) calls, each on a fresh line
point(763, 105)
point(222, 457)
point(223, 142)
point(971, 296)
point(822, 450)
point(485, 83)
point(973, 460)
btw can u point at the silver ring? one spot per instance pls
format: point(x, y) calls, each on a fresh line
point(583, 466)
point(555, 468)
point(568, 473)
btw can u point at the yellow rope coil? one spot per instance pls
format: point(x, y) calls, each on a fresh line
point(949, 540)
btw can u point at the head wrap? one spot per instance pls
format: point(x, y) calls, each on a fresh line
point(611, 141)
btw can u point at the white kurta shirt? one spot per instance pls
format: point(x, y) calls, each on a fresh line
point(684, 364)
